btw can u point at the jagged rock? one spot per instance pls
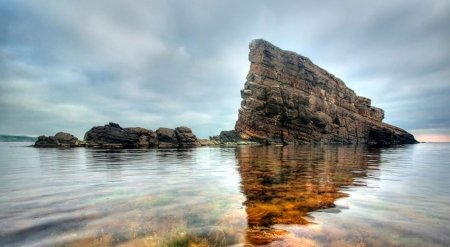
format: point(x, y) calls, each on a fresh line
point(185, 137)
point(289, 100)
point(230, 138)
point(112, 135)
point(146, 138)
point(61, 139)
point(215, 139)
point(166, 138)
point(44, 141)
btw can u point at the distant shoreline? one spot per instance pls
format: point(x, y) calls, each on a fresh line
point(13, 138)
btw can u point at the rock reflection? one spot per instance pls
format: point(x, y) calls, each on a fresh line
point(282, 185)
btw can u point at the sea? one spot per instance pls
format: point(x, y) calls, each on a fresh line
point(325, 195)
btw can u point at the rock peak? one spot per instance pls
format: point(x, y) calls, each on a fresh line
point(287, 99)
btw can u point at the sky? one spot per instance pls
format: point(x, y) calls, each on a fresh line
point(71, 65)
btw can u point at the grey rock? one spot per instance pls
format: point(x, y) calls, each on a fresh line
point(61, 139)
point(114, 136)
point(185, 137)
point(167, 138)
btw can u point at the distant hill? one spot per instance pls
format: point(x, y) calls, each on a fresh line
point(10, 138)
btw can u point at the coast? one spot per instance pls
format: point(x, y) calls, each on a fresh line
point(286, 100)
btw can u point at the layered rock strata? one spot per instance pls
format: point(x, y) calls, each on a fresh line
point(185, 137)
point(289, 100)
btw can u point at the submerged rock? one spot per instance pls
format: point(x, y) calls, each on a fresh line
point(289, 100)
point(61, 139)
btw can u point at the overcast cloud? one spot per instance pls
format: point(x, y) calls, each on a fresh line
point(71, 65)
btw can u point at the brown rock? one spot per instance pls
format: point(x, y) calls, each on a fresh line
point(61, 139)
point(167, 138)
point(185, 137)
point(204, 142)
point(112, 135)
point(146, 138)
point(66, 138)
point(289, 100)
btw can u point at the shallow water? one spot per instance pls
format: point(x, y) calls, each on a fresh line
point(260, 196)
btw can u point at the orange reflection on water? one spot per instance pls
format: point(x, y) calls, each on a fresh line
point(282, 185)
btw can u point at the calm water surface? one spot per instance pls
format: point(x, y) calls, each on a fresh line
point(245, 196)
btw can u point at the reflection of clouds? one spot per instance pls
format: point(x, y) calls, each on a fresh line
point(283, 184)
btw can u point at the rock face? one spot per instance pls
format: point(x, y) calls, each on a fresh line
point(61, 139)
point(114, 136)
point(185, 136)
point(166, 138)
point(289, 100)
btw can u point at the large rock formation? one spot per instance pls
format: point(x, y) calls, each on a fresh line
point(61, 139)
point(289, 100)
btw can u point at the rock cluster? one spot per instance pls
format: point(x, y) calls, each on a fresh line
point(112, 135)
point(289, 100)
point(61, 139)
point(178, 137)
point(286, 100)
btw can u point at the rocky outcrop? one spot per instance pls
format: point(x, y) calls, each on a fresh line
point(112, 135)
point(167, 138)
point(289, 100)
point(61, 139)
point(185, 137)
point(230, 138)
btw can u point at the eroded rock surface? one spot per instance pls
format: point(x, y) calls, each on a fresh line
point(185, 137)
point(289, 100)
point(166, 138)
point(112, 135)
point(61, 139)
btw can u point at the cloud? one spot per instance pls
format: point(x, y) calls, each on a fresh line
point(67, 66)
